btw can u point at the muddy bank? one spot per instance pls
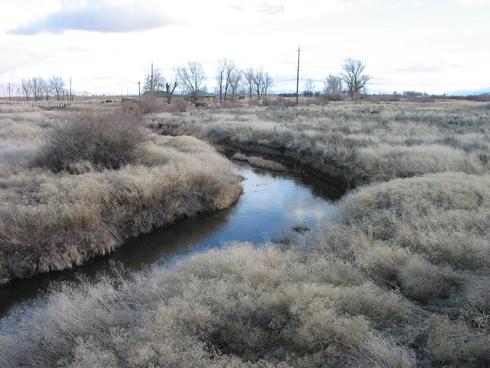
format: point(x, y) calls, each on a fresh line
point(335, 178)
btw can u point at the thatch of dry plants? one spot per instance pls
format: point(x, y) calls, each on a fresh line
point(354, 143)
point(83, 186)
point(399, 279)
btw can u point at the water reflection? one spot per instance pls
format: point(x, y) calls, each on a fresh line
point(270, 205)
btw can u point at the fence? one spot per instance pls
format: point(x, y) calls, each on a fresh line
point(40, 103)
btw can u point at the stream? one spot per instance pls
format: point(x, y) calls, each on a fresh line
point(271, 204)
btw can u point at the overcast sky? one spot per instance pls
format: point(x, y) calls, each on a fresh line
point(108, 45)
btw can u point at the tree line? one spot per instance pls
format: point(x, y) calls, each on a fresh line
point(38, 88)
point(232, 81)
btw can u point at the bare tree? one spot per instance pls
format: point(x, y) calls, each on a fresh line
point(221, 72)
point(191, 78)
point(266, 84)
point(230, 70)
point(234, 79)
point(154, 81)
point(309, 88)
point(249, 75)
point(262, 82)
point(37, 88)
point(354, 77)
point(26, 87)
point(9, 91)
point(57, 85)
point(220, 78)
point(169, 91)
point(258, 82)
point(46, 89)
point(226, 74)
point(333, 85)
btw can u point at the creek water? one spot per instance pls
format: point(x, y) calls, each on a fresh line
point(271, 204)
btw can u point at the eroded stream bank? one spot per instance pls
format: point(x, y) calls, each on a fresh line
point(270, 205)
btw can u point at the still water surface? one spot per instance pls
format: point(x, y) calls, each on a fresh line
point(270, 205)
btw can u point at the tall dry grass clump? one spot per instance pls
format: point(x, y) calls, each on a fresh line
point(392, 282)
point(98, 180)
point(354, 144)
point(236, 307)
point(105, 140)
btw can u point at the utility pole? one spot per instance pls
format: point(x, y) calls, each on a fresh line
point(69, 97)
point(297, 79)
point(10, 93)
point(139, 90)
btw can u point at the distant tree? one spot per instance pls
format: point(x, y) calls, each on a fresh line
point(220, 78)
point(354, 77)
point(258, 79)
point(234, 79)
point(191, 78)
point(227, 78)
point(46, 88)
point(36, 86)
point(57, 84)
point(262, 81)
point(26, 88)
point(333, 85)
point(169, 91)
point(267, 82)
point(249, 76)
point(309, 88)
point(154, 81)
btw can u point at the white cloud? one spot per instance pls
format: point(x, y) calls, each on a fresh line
point(101, 16)
point(271, 7)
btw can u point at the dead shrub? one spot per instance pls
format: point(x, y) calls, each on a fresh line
point(150, 104)
point(279, 102)
point(108, 140)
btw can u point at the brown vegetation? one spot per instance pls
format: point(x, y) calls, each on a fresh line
point(399, 279)
point(356, 143)
point(104, 140)
point(378, 287)
point(259, 162)
point(107, 180)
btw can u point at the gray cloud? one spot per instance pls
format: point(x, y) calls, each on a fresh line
point(97, 17)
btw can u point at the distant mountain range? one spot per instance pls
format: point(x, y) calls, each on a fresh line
point(482, 91)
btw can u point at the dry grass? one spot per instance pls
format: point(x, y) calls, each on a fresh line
point(399, 279)
point(380, 286)
point(259, 162)
point(103, 140)
point(238, 307)
point(51, 221)
point(357, 143)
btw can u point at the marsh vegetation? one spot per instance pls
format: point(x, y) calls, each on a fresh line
point(400, 278)
point(357, 143)
point(74, 186)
